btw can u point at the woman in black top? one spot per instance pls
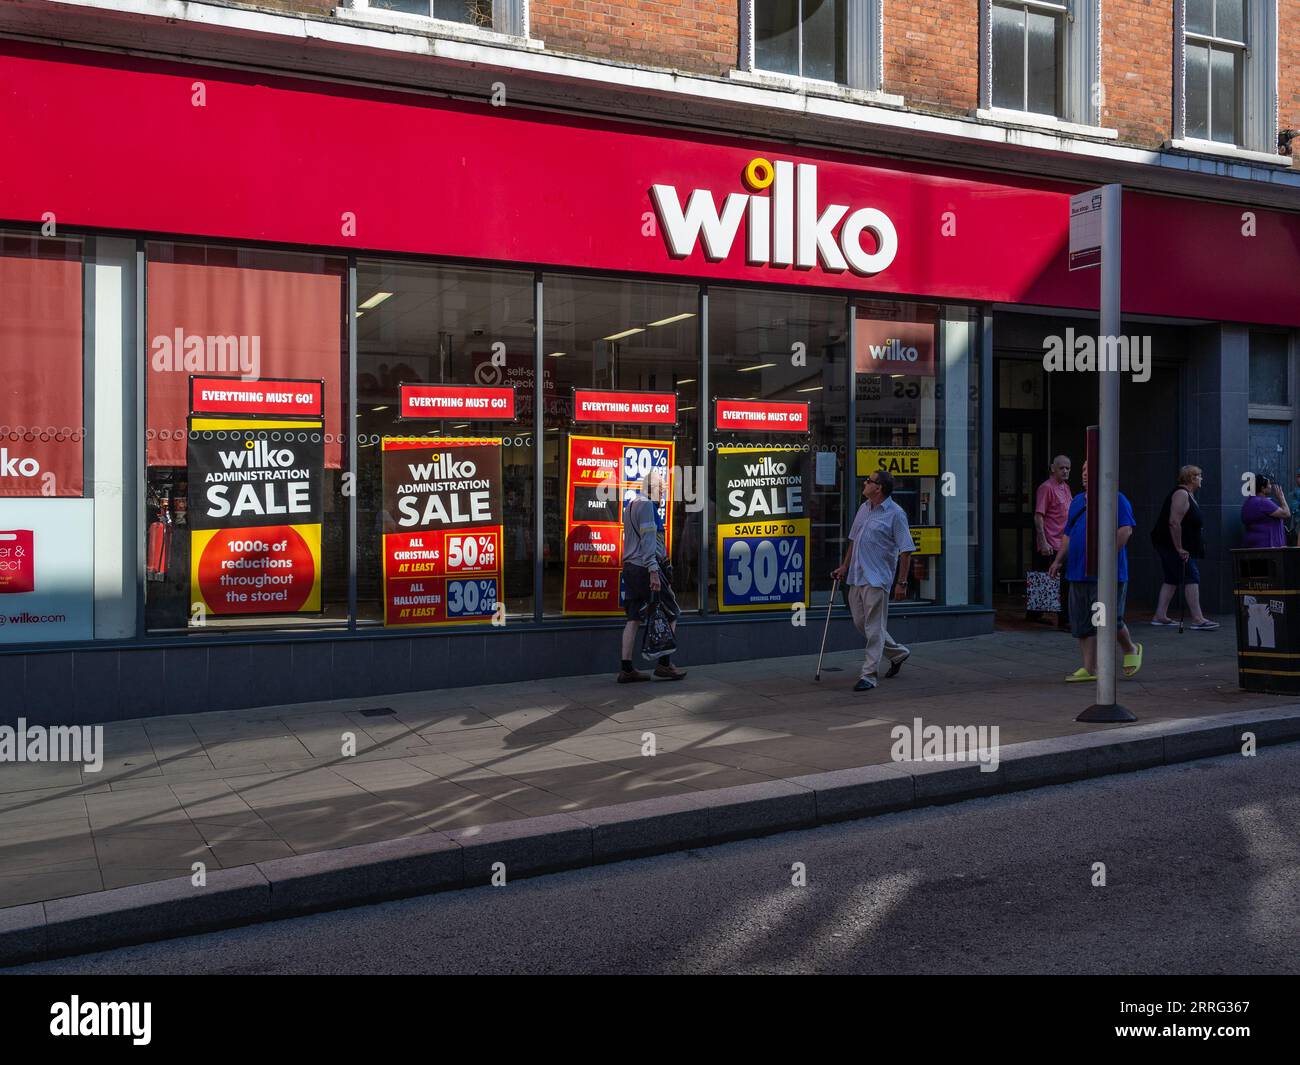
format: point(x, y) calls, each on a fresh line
point(1177, 540)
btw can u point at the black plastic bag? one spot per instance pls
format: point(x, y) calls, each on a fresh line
point(658, 639)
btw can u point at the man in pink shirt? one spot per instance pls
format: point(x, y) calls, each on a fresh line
point(1051, 506)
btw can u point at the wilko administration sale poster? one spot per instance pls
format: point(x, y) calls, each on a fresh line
point(763, 527)
point(604, 474)
point(255, 509)
point(442, 530)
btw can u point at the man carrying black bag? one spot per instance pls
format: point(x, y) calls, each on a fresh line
point(647, 575)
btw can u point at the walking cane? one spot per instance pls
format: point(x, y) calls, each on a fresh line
point(826, 628)
point(1182, 587)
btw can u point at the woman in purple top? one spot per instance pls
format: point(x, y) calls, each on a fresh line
point(1263, 514)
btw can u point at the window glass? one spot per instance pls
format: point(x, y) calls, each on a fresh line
point(917, 373)
point(1268, 369)
point(824, 40)
point(470, 12)
point(779, 347)
point(41, 422)
point(267, 545)
point(1200, 16)
point(1044, 51)
point(424, 324)
point(1224, 71)
point(1008, 57)
point(776, 35)
point(1198, 91)
point(1230, 19)
point(629, 336)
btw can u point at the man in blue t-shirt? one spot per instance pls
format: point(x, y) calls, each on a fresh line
point(1083, 585)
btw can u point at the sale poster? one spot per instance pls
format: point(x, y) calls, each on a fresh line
point(763, 527)
point(605, 473)
point(442, 530)
point(255, 511)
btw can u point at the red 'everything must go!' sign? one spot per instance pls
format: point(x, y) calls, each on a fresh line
point(624, 408)
point(457, 401)
point(747, 415)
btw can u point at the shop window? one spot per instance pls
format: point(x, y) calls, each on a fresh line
point(776, 517)
point(639, 340)
point(41, 421)
point(1041, 58)
point(246, 507)
point(501, 16)
point(439, 543)
point(836, 41)
point(1270, 372)
point(47, 534)
point(917, 416)
point(1225, 77)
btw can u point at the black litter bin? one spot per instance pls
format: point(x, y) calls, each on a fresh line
point(1266, 587)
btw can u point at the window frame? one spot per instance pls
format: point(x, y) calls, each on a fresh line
point(1060, 13)
point(1079, 76)
point(1257, 97)
point(510, 19)
point(864, 53)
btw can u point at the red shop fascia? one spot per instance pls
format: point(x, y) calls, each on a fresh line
point(115, 142)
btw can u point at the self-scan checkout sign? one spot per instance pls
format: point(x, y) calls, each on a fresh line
point(761, 503)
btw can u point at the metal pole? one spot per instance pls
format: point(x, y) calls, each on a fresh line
point(1107, 476)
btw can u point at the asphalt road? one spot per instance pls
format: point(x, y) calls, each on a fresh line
point(1202, 876)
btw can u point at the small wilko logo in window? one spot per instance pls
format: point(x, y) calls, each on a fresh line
point(75, 1017)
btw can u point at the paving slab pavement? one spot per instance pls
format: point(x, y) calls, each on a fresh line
point(231, 789)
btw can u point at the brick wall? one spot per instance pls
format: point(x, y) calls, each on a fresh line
point(932, 53)
point(701, 36)
point(1288, 67)
point(1137, 64)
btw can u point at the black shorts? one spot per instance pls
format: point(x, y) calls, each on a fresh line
point(637, 593)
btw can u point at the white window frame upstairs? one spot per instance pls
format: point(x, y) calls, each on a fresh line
point(864, 52)
point(1259, 111)
point(1080, 76)
point(509, 19)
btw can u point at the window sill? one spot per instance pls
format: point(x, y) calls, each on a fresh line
point(1227, 151)
point(457, 31)
point(812, 87)
point(1030, 120)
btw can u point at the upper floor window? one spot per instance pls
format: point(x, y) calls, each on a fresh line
point(1215, 63)
point(1027, 56)
point(836, 41)
point(501, 16)
point(1042, 57)
point(1225, 77)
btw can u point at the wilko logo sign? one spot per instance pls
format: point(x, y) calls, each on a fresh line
point(457, 401)
point(625, 408)
point(881, 346)
point(17, 465)
point(744, 415)
point(783, 227)
point(275, 397)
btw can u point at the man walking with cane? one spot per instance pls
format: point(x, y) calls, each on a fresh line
point(875, 567)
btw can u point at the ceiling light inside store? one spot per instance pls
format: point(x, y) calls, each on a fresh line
point(462, 425)
point(760, 366)
point(816, 388)
point(556, 355)
point(687, 381)
point(375, 300)
point(674, 318)
point(378, 408)
point(625, 333)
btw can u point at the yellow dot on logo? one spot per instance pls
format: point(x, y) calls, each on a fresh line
point(759, 173)
point(248, 443)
